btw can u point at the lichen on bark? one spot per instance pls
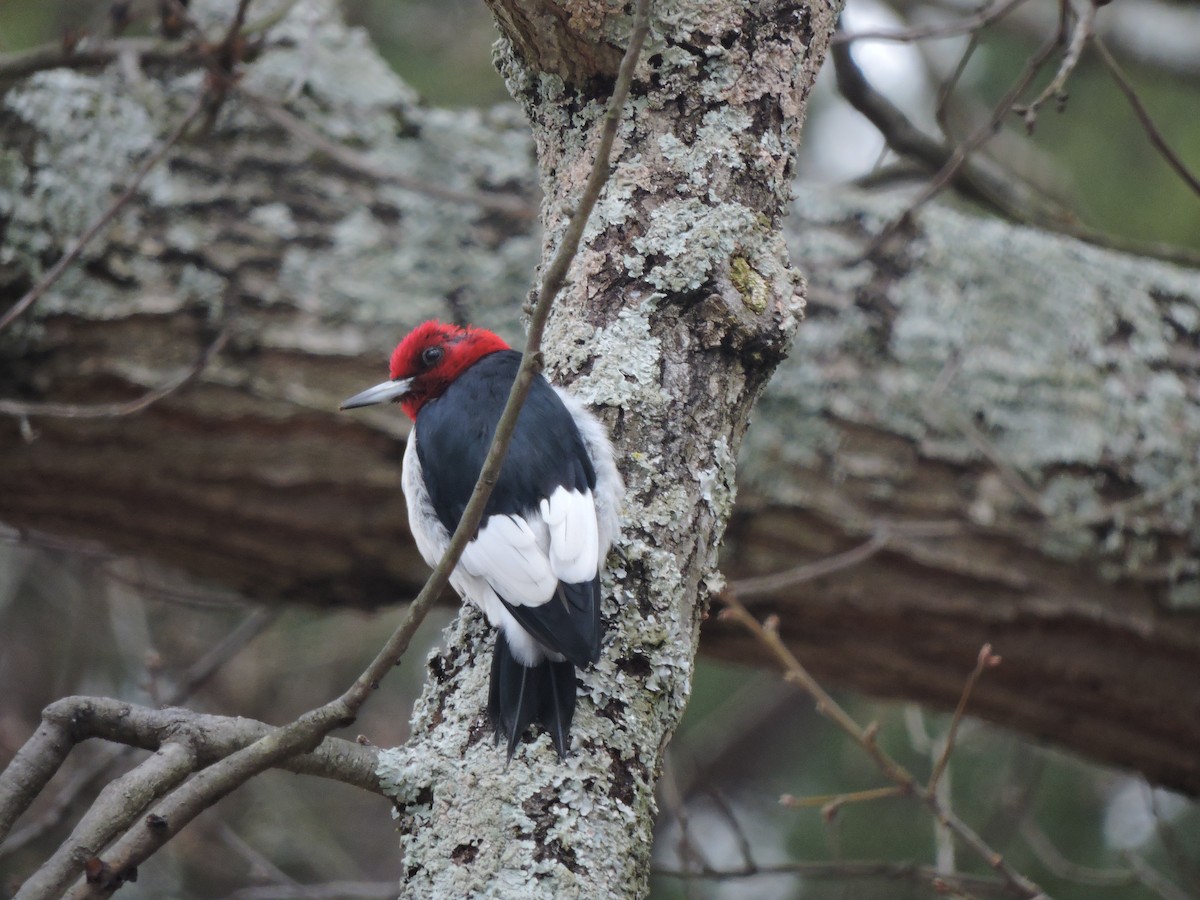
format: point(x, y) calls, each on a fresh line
point(1066, 369)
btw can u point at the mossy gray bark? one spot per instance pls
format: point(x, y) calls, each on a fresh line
point(1010, 420)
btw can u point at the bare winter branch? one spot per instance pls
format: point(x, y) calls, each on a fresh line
point(1143, 115)
point(1082, 31)
point(23, 409)
point(768, 635)
point(852, 871)
point(955, 28)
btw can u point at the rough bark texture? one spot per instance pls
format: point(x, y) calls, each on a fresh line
point(937, 383)
point(248, 478)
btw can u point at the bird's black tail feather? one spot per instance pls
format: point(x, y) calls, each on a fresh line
point(521, 695)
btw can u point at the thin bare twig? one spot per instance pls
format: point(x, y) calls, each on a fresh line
point(714, 737)
point(950, 164)
point(1013, 479)
point(193, 679)
point(725, 808)
point(829, 804)
point(673, 804)
point(962, 151)
point(947, 88)
point(1179, 852)
point(23, 63)
point(332, 890)
point(199, 672)
point(256, 860)
point(1051, 857)
point(1081, 33)
point(93, 52)
point(234, 31)
point(767, 634)
point(125, 407)
point(984, 133)
point(1143, 116)
point(765, 585)
point(986, 660)
point(106, 560)
point(183, 742)
point(849, 870)
point(1154, 880)
point(966, 25)
point(101, 222)
point(118, 806)
point(886, 534)
point(955, 165)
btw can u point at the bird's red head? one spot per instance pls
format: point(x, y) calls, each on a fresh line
point(433, 355)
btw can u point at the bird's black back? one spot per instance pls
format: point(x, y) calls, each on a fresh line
point(455, 430)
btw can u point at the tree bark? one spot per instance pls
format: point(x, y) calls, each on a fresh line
point(679, 306)
point(1004, 421)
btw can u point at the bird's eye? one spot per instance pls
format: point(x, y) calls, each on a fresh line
point(431, 356)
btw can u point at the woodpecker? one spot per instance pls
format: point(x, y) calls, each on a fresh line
point(535, 562)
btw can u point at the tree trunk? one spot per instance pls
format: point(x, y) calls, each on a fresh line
point(679, 307)
point(1004, 422)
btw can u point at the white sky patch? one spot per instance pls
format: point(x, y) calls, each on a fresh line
point(1129, 817)
point(839, 144)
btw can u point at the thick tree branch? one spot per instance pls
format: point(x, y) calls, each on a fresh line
point(72, 720)
point(196, 675)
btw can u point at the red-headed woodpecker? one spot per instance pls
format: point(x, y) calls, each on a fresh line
point(534, 565)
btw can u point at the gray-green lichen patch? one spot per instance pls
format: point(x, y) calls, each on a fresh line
point(691, 237)
point(1059, 353)
point(93, 128)
point(717, 145)
point(375, 268)
point(92, 132)
point(625, 358)
point(613, 207)
point(538, 816)
point(337, 64)
point(718, 483)
point(276, 218)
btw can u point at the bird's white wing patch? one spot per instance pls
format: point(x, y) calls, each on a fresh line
point(574, 544)
point(609, 486)
point(507, 555)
